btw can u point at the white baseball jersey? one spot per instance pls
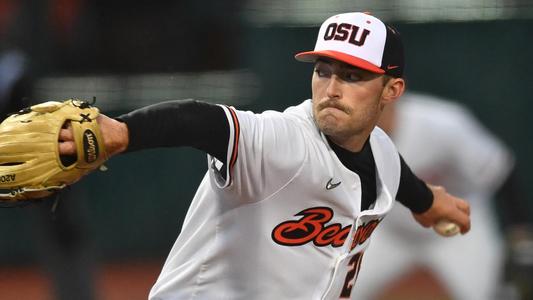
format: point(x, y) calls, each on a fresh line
point(280, 220)
point(445, 145)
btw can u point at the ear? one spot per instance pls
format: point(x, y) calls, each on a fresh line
point(393, 89)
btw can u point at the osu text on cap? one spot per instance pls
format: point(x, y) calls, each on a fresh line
point(343, 31)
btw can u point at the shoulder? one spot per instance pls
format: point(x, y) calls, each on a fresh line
point(383, 148)
point(297, 114)
point(274, 132)
point(379, 137)
point(387, 159)
point(302, 113)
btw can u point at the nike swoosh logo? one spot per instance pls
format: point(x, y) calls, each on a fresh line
point(389, 67)
point(330, 185)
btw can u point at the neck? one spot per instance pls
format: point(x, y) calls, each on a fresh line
point(354, 143)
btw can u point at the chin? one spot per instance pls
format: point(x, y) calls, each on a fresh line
point(328, 128)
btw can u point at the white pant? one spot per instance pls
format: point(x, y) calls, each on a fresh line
point(469, 266)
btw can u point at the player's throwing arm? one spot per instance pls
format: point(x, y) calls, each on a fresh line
point(456, 210)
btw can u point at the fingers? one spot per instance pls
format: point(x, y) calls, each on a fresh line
point(446, 207)
point(463, 206)
point(67, 148)
point(460, 213)
point(464, 215)
point(66, 135)
point(463, 221)
point(466, 223)
point(66, 140)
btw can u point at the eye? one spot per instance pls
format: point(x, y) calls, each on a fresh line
point(352, 76)
point(322, 72)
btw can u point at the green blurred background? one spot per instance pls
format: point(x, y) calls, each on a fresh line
point(132, 53)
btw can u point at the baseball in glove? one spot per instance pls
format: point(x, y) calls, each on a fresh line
point(30, 164)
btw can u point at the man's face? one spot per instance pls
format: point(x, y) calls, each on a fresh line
point(346, 101)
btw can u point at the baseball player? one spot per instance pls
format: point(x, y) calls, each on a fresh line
point(290, 199)
point(444, 144)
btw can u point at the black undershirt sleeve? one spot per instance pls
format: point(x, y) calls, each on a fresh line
point(197, 124)
point(204, 126)
point(413, 192)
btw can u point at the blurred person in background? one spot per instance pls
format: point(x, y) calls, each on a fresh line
point(59, 230)
point(14, 83)
point(60, 236)
point(80, 37)
point(445, 145)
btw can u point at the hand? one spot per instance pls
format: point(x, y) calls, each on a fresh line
point(114, 133)
point(445, 207)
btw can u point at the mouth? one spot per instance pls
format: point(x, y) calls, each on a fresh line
point(330, 104)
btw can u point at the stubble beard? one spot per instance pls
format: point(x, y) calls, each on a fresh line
point(335, 127)
point(332, 125)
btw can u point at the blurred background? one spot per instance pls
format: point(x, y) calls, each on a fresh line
point(110, 233)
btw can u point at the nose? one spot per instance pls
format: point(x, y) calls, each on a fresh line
point(334, 90)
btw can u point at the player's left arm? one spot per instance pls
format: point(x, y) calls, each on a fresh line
point(167, 124)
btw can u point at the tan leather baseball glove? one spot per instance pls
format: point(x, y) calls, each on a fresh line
point(30, 165)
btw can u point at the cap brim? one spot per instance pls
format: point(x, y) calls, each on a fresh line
point(311, 56)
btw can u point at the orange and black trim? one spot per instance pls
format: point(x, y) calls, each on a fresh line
point(234, 151)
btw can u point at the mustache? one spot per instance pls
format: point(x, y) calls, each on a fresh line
point(333, 104)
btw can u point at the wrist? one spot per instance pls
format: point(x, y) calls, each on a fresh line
point(115, 135)
point(123, 137)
